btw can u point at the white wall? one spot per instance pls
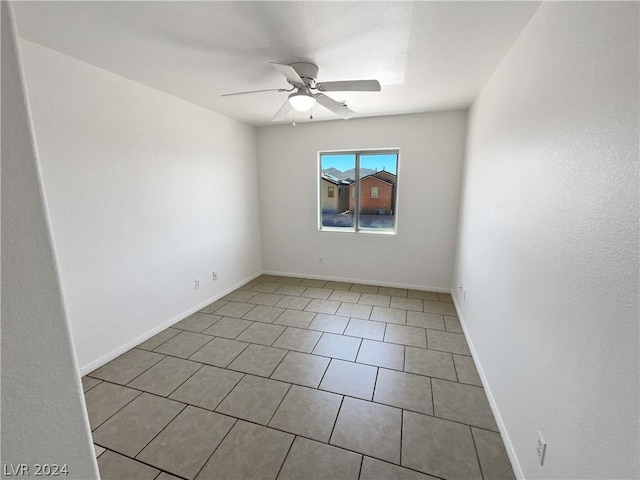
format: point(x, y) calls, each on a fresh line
point(420, 255)
point(43, 415)
point(548, 243)
point(146, 192)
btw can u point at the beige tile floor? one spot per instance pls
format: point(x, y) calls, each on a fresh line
point(294, 378)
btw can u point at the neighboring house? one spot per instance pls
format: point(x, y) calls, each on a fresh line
point(334, 194)
point(377, 194)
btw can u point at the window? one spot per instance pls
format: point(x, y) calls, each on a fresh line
point(369, 180)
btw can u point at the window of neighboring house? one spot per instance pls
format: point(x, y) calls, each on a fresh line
point(374, 171)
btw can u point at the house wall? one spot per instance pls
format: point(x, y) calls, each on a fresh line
point(146, 193)
point(329, 204)
point(43, 417)
point(384, 200)
point(343, 198)
point(420, 254)
point(548, 243)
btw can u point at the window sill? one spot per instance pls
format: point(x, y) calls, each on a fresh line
point(363, 231)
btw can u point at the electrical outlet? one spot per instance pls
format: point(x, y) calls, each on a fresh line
point(541, 448)
point(215, 276)
point(197, 284)
point(321, 259)
point(460, 287)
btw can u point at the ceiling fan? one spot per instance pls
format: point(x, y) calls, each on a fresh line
point(302, 78)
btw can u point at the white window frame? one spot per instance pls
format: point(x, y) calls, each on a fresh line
point(374, 189)
point(356, 192)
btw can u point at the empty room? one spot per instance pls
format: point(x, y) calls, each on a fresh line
point(320, 240)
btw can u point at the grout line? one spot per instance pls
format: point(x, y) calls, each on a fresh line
point(173, 327)
point(117, 411)
point(276, 367)
point(433, 403)
point(314, 345)
point(217, 446)
point(286, 456)
point(361, 464)
point(186, 379)
point(161, 470)
point(455, 369)
point(84, 392)
point(236, 356)
point(404, 359)
point(401, 432)
point(347, 327)
point(335, 422)
point(402, 466)
point(359, 347)
point(148, 368)
point(280, 402)
point(276, 339)
point(475, 448)
point(375, 384)
point(186, 405)
point(324, 373)
point(225, 397)
point(251, 322)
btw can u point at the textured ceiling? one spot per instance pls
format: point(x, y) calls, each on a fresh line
point(427, 55)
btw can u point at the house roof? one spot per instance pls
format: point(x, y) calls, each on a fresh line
point(376, 177)
point(335, 180)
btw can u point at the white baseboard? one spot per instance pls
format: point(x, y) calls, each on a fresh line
point(517, 469)
point(172, 321)
point(147, 335)
point(358, 280)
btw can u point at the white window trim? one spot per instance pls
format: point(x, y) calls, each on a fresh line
point(356, 192)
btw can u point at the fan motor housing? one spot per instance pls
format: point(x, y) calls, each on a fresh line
point(307, 71)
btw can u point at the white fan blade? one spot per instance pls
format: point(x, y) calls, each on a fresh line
point(289, 72)
point(283, 113)
point(350, 86)
point(335, 107)
point(254, 91)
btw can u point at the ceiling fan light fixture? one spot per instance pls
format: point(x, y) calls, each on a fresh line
point(302, 101)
